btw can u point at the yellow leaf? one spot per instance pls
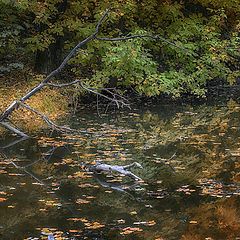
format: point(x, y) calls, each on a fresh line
point(193, 222)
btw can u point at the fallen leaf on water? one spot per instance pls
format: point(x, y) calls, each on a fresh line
point(133, 213)
point(94, 225)
point(193, 222)
point(11, 206)
point(78, 219)
point(151, 223)
point(42, 209)
point(148, 206)
point(90, 197)
point(139, 223)
point(87, 185)
point(79, 175)
point(108, 191)
point(120, 221)
point(82, 201)
point(16, 174)
point(129, 230)
point(22, 183)
point(46, 231)
point(74, 231)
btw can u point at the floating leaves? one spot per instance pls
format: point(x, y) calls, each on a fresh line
point(133, 213)
point(80, 174)
point(88, 185)
point(186, 190)
point(218, 189)
point(205, 148)
point(51, 234)
point(84, 220)
point(50, 203)
point(94, 225)
point(88, 224)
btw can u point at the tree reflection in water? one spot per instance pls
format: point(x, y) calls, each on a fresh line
point(45, 188)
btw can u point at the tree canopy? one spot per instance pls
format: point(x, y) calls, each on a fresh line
point(199, 42)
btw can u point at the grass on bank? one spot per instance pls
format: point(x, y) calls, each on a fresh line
point(51, 102)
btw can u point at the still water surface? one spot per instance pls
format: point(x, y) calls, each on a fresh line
point(190, 158)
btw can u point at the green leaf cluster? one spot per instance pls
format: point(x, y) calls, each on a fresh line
point(202, 41)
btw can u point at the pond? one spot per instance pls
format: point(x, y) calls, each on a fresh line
point(190, 188)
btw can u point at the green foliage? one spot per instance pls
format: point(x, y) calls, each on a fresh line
point(130, 64)
point(205, 35)
point(10, 32)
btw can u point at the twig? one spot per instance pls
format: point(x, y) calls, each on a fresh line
point(156, 37)
point(116, 101)
point(167, 161)
point(14, 142)
point(116, 98)
point(63, 84)
point(98, 108)
point(47, 120)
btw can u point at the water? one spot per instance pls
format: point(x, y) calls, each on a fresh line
point(190, 158)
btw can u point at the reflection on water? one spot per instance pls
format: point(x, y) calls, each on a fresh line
point(190, 158)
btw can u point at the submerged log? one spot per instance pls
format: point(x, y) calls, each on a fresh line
point(124, 170)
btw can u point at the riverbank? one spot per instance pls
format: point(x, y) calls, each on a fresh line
point(51, 102)
point(56, 103)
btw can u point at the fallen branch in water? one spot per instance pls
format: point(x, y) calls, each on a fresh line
point(8, 126)
point(50, 123)
point(167, 161)
point(124, 170)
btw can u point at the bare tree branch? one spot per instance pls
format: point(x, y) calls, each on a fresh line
point(116, 98)
point(156, 37)
point(121, 100)
point(49, 122)
point(13, 129)
point(62, 85)
point(14, 142)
